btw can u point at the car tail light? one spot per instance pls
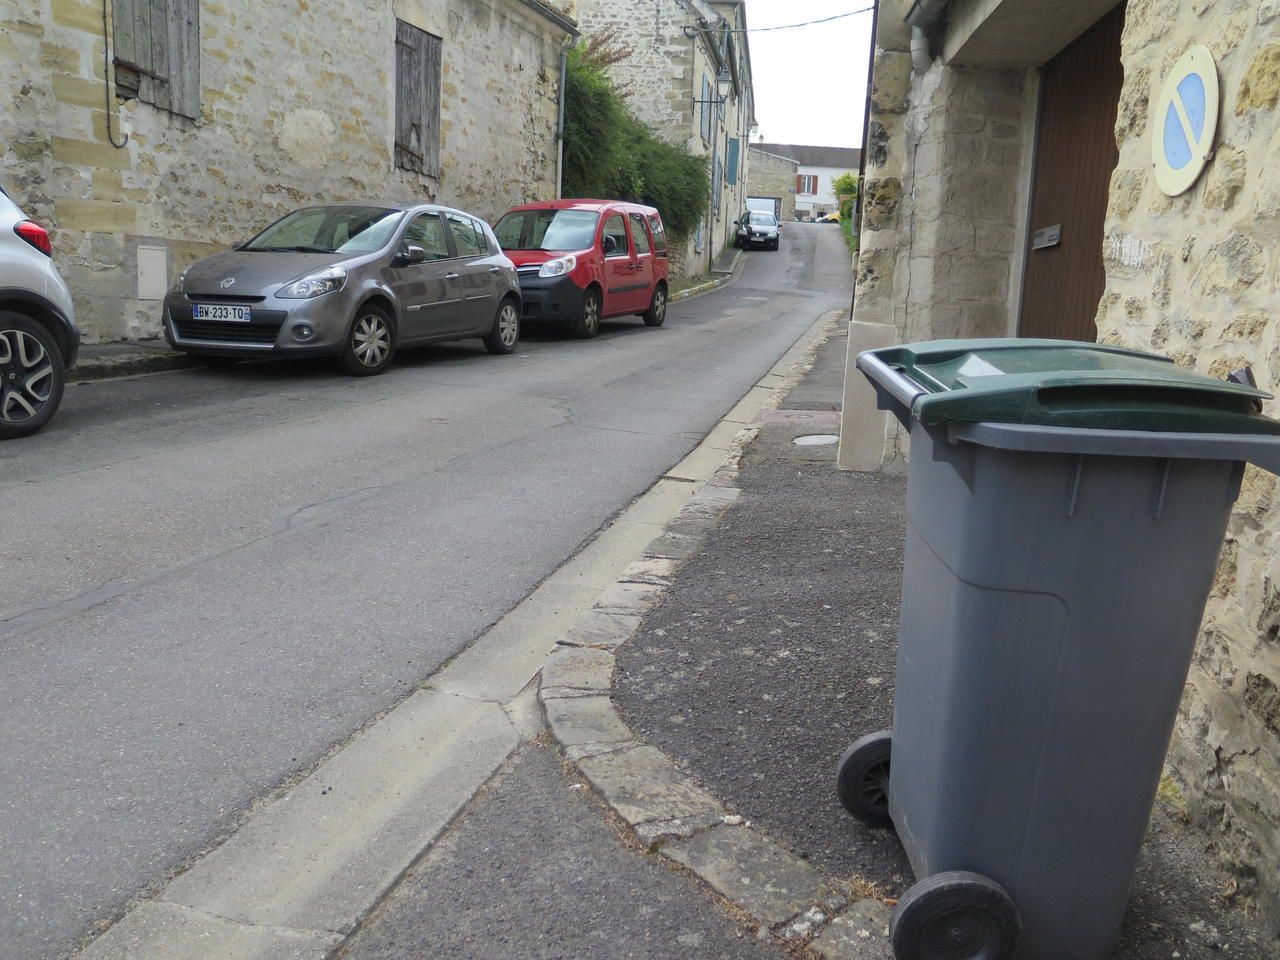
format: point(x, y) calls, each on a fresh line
point(35, 235)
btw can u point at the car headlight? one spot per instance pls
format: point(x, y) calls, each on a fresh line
point(316, 285)
point(558, 267)
point(178, 281)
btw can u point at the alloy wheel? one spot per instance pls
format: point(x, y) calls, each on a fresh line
point(26, 376)
point(508, 325)
point(659, 304)
point(371, 340)
point(591, 315)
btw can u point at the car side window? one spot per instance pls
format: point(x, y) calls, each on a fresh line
point(640, 234)
point(427, 232)
point(466, 236)
point(616, 227)
point(482, 235)
point(659, 235)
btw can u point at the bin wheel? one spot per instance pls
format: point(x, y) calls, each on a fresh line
point(862, 779)
point(955, 916)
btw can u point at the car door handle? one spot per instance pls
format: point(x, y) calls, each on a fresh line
point(495, 269)
point(451, 276)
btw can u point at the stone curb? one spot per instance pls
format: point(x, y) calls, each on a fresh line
point(672, 816)
point(109, 366)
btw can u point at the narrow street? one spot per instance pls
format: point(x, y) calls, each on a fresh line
point(215, 576)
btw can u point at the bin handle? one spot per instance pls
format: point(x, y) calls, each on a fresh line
point(1262, 450)
point(894, 382)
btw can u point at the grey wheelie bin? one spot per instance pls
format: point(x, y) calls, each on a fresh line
point(1066, 506)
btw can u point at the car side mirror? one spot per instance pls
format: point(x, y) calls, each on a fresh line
point(610, 245)
point(736, 223)
point(410, 255)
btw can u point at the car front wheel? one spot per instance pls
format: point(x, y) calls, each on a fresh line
point(371, 343)
point(588, 323)
point(32, 375)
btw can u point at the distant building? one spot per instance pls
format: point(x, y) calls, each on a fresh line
point(774, 177)
point(818, 166)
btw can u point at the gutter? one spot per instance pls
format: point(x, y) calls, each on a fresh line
point(923, 18)
point(559, 19)
point(564, 60)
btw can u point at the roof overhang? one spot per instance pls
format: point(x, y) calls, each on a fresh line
point(1015, 33)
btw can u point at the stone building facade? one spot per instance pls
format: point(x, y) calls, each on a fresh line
point(819, 167)
point(775, 177)
point(688, 78)
point(958, 240)
point(293, 103)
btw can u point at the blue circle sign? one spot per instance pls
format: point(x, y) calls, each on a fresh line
point(1185, 121)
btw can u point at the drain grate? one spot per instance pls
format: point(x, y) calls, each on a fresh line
point(818, 419)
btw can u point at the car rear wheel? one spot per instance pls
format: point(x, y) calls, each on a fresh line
point(371, 343)
point(657, 312)
point(587, 324)
point(506, 329)
point(32, 375)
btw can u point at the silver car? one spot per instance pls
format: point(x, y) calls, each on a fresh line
point(38, 336)
point(355, 281)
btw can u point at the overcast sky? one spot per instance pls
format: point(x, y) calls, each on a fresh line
point(810, 82)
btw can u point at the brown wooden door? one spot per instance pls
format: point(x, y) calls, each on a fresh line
point(1075, 156)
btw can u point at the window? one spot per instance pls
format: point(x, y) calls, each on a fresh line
point(547, 230)
point(157, 53)
point(616, 227)
point(427, 232)
point(807, 183)
point(639, 234)
point(706, 109)
point(335, 229)
point(467, 235)
point(731, 161)
point(659, 234)
point(418, 55)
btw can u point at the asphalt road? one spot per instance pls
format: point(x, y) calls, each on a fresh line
point(212, 577)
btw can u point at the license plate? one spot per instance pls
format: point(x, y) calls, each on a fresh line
point(220, 311)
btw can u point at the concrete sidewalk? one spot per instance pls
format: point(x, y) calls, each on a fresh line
point(775, 648)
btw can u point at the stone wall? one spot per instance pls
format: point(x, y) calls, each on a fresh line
point(773, 176)
point(1195, 278)
point(296, 107)
point(945, 156)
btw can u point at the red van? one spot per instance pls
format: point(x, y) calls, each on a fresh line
point(582, 261)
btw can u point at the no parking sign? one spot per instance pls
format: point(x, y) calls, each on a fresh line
point(1185, 121)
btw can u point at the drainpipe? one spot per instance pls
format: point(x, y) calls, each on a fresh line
point(925, 15)
point(564, 59)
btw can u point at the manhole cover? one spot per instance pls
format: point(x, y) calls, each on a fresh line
point(816, 440)
point(812, 418)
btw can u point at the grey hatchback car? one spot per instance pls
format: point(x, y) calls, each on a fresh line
point(39, 340)
point(356, 281)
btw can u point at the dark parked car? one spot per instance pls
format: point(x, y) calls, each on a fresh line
point(38, 336)
point(356, 281)
point(757, 229)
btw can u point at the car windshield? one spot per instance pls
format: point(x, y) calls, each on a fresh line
point(329, 230)
point(547, 230)
point(762, 220)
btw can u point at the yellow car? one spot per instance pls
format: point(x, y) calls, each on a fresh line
point(832, 217)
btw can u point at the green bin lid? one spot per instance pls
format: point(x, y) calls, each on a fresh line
point(1064, 383)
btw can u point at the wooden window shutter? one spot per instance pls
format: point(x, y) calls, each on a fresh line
point(157, 53)
point(799, 183)
point(731, 162)
point(418, 68)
